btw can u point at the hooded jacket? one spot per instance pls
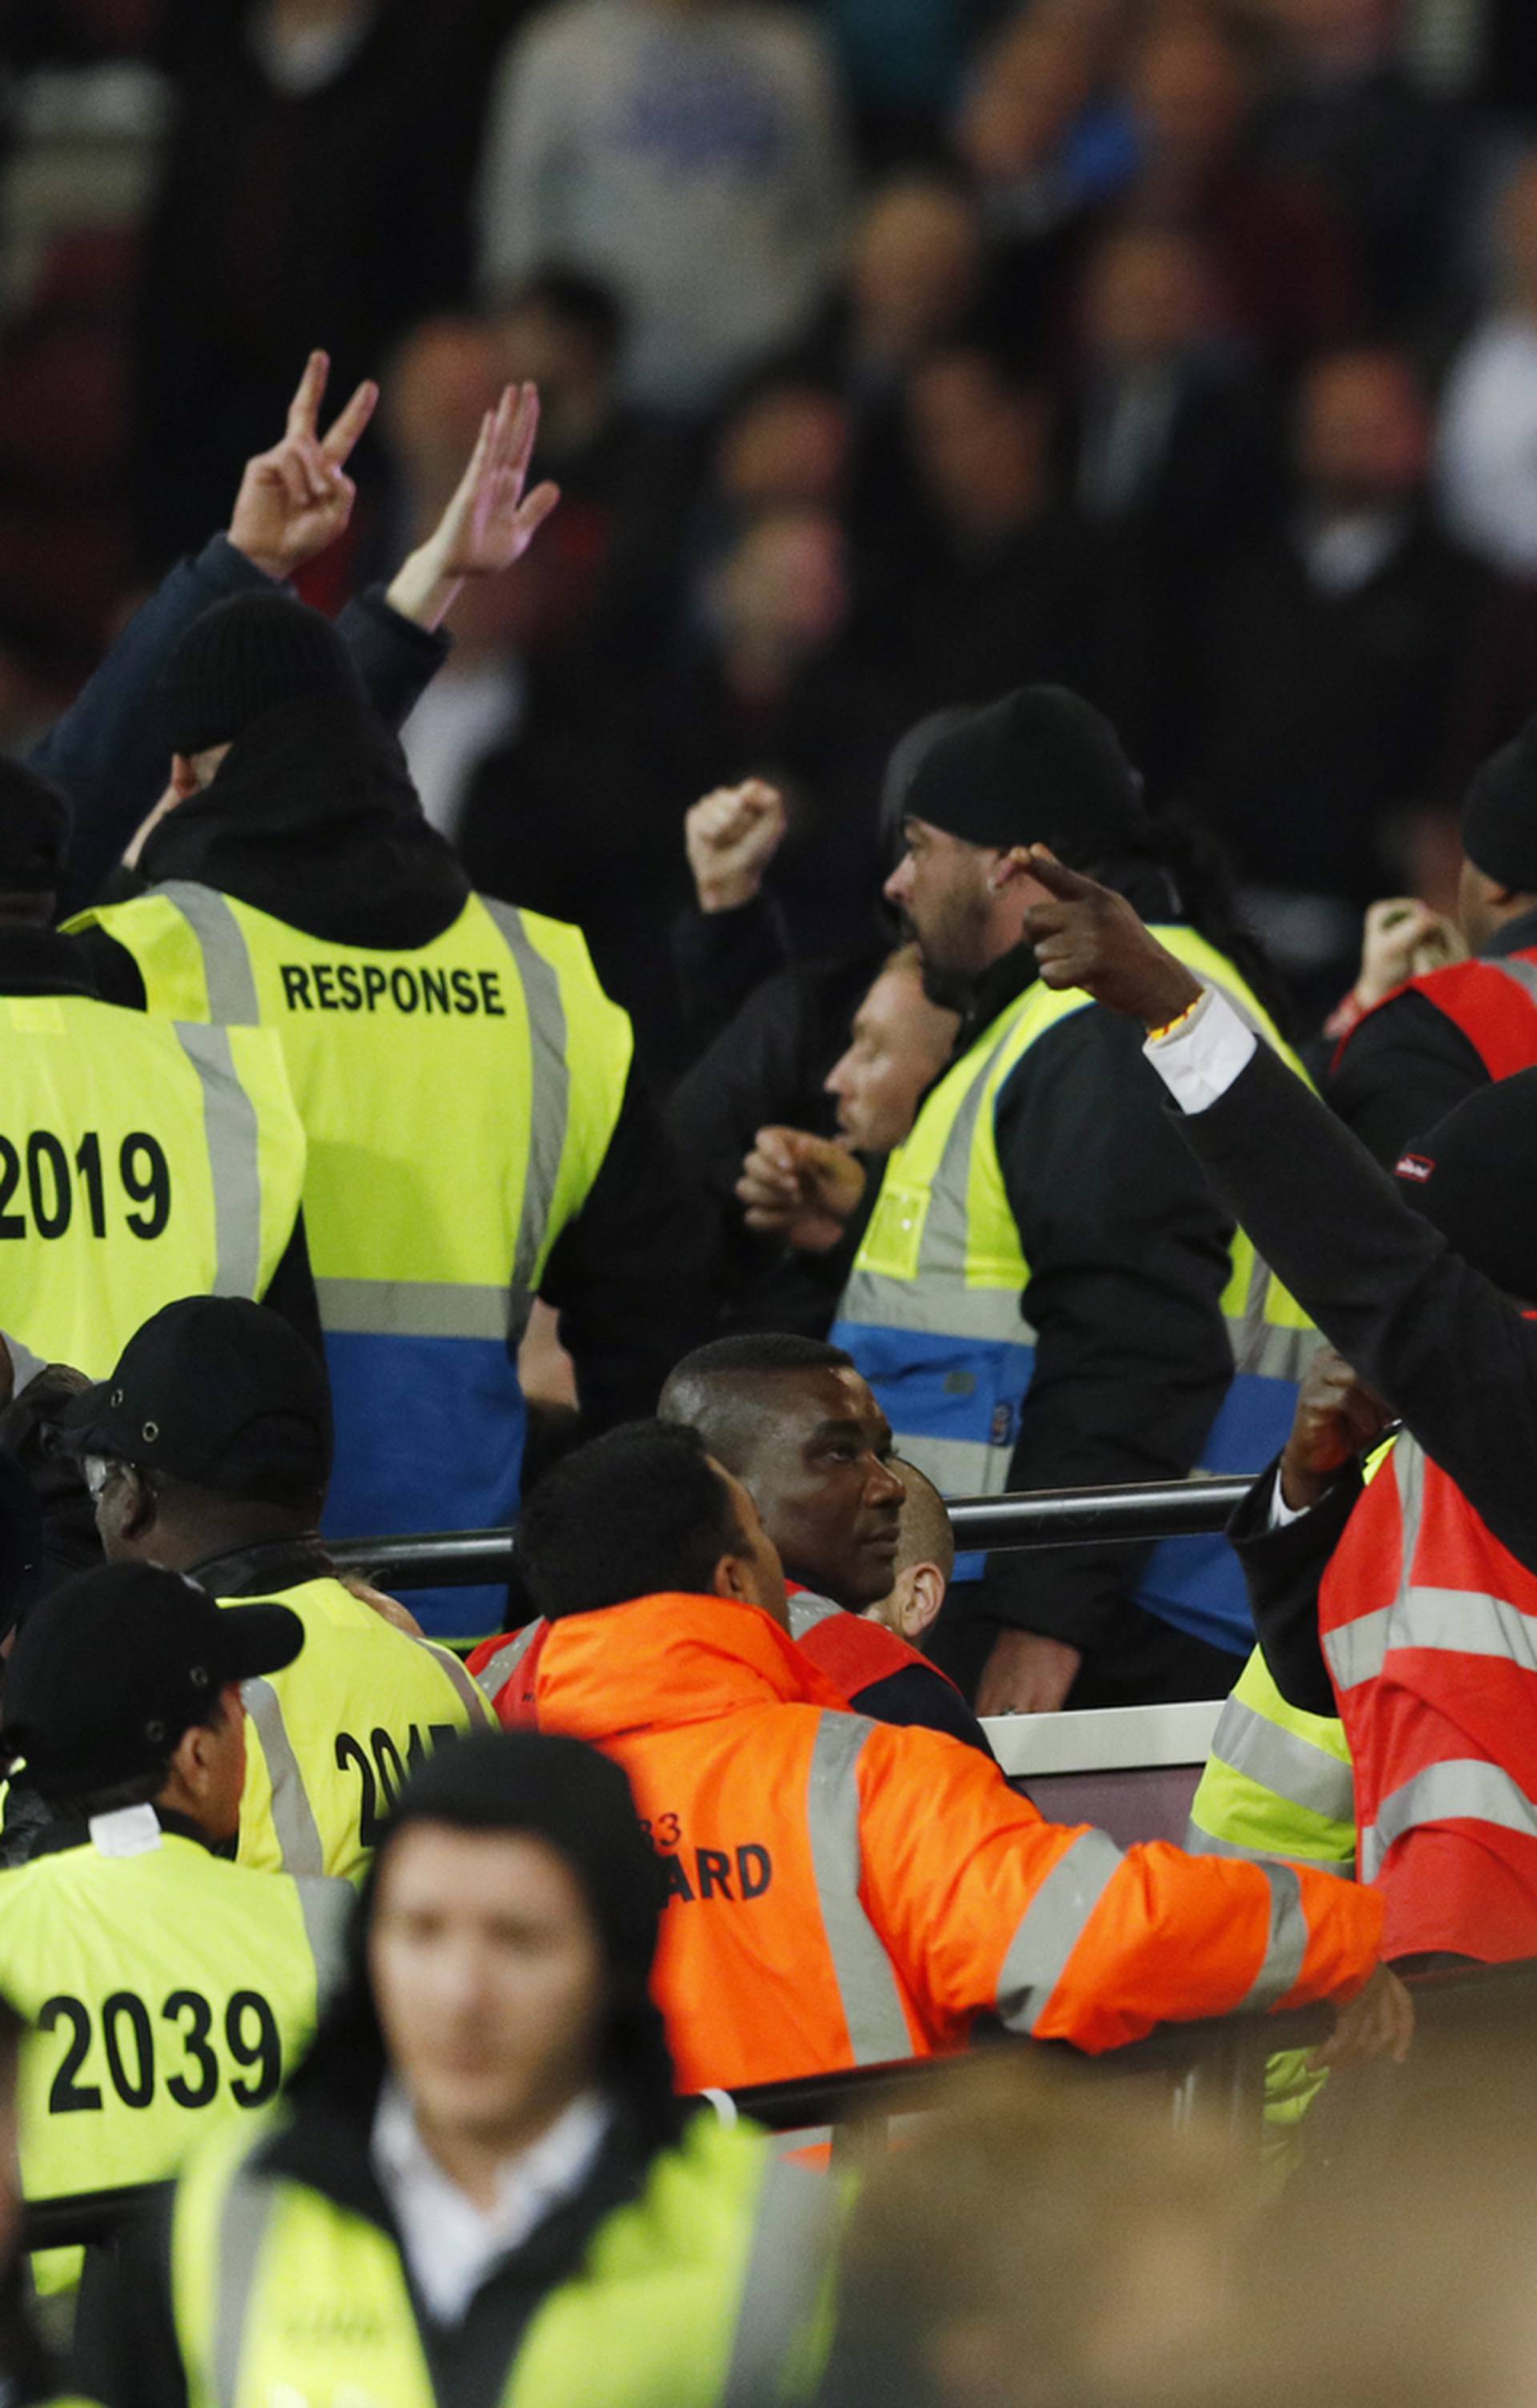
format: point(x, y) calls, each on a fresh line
point(842, 1892)
point(313, 818)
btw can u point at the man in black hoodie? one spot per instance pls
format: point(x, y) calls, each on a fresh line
point(476, 1132)
point(482, 2181)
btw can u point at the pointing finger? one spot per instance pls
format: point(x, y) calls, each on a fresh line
point(1055, 877)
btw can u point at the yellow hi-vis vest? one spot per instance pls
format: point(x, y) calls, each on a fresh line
point(933, 1309)
point(331, 1739)
point(459, 1099)
point(139, 1162)
point(710, 2288)
point(167, 1992)
point(1277, 1783)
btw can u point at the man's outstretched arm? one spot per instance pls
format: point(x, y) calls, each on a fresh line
point(1435, 1338)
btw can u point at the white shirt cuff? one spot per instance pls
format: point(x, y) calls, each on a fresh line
point(1199, 1059)
point(1283, 1515)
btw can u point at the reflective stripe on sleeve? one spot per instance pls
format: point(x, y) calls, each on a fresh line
point(866, 1985)
point(1287, 1947)
point(233, 1136)
point(293, 1816)
point(495, 1672)
point(788, 2263)
point(227, 973)
point(1051, 1928)
point(242, 2229)
point(1453, 1621)
point(1465, 1790)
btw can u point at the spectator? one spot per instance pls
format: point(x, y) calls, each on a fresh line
point(1489, 428)
point(1170, 455)
point(208, 1450)
point(689, 156)
point(315, 176)
point(485, 2134)
point(925, 1558)
point(1038, 1298)
point(1340, 667)
point(170, 1991)
point(299, 853)
point(840, 1892)
point(1442, 1035)
point(991, 590)
point(1285, 271)
point(899, 1044)
point(142, 1147)
point(793, 1421)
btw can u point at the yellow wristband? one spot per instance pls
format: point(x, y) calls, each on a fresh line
point(1155, 1035)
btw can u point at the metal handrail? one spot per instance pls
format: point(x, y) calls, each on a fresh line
point(1051, 1517)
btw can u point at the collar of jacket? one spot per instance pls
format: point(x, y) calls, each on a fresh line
point(261, 1570)
point(40, 961)
point(1514, 937)
point(664, 1661)
point(313, 818)
point(69, 1829)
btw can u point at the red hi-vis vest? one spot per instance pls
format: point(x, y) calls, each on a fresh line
point(853, 1654)
point(1430, 1630)
point(1494, 1003)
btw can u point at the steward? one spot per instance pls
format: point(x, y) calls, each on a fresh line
point(477, 1136)
point(208, 1451)
point(170, 1991)
point(480, 2186)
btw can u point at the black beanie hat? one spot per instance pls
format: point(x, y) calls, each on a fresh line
point(243, 658)
point(579, 1803)
point(1499, 816)
point(1475, 1176)
point(34, 821)
point(1041, 766)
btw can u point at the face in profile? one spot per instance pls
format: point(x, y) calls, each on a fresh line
point(901, 1043)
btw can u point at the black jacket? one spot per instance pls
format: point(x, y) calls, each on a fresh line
point(1450, 1354)
point(1129, 1261)
point(1406, 1065)
point(313, 818)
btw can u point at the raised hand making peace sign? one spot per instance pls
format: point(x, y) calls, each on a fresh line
point(296, 499)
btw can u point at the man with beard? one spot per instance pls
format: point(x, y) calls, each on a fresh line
point(1044, 1295)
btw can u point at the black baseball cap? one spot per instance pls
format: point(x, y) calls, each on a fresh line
point(109, 1670)
point(217, 1391)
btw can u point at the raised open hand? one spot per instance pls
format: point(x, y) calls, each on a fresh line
point(489, 522)
point(297, 498)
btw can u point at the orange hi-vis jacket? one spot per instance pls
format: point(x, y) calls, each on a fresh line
point(1430, 1631)
point(843, 1892)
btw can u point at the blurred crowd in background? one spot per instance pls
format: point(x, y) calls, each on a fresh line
point(892, 353)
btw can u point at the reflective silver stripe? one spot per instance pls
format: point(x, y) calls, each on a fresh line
point(242, 2229)
point(495, 1672)
point(789, 2262)
point(413, 1308)
point(806, 1612)
point(293, 1816)
point(326, 1904)
point(942, 1245)
point(1284, 1762)
point(1523, 973)
point(1286, 1946)
point(1450, 1621)
point(1197, 1843)
point(1464, 1789)
point(866, 1985)
point(233, 1136)
point(550, 1102)
point(1051, 1928)
point(227, 972)
point(945, 1309)
point(461, 1681)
